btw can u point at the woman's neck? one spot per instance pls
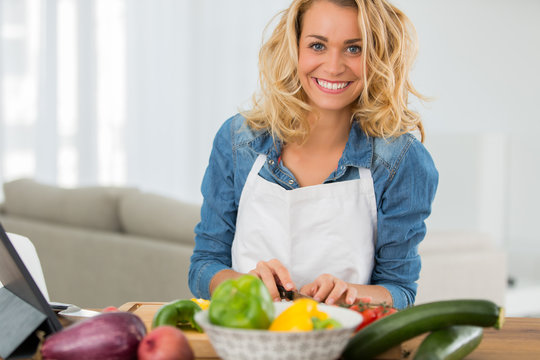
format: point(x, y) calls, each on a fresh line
point(312, 161)
point(328, 131)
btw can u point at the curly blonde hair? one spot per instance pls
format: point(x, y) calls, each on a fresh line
point(389, 46)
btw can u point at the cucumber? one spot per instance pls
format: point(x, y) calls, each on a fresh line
point(392, 330)
point(452, 343)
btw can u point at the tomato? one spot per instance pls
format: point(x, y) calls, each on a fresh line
point(390, 311)
point(369, 315)
point(383, 311)
point(379, 311)
point(372, 313)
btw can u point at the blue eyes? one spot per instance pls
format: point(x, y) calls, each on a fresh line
point(317, 46)
point(353, 49)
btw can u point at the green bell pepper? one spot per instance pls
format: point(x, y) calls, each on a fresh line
point(244, 303)
point(179, 313)
point(329, 323)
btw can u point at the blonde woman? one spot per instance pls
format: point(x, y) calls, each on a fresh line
point(321, 187)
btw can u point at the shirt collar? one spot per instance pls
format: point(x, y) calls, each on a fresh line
point(358, 150)
point(264, 143)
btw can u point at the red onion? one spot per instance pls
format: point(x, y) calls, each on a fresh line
point(107, 336)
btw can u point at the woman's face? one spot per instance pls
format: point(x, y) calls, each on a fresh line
point(330, 60)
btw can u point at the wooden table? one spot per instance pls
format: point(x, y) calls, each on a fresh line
point(519, 339)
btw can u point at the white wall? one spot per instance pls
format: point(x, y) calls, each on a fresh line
point(199, 65)
point(479, 60)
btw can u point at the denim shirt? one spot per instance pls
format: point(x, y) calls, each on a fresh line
point(405, 181)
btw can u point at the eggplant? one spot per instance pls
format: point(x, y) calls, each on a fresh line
point(107, 336)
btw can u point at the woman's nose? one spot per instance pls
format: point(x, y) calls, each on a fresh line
point(335, 64)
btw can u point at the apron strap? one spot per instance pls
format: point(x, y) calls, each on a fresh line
point(366, 184)
point(257, 166)
point(364, 173)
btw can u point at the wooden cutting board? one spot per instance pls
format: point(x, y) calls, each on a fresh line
point(199, 342)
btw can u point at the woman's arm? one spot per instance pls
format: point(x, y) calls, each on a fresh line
point(215, 232)
point(221, 276)
point(402, 209)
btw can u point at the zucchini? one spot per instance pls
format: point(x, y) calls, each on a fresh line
point(392, 330)
point(452, 343)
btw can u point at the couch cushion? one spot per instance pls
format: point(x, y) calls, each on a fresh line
point(452, 241)
point(87, 207)
point(156, 216)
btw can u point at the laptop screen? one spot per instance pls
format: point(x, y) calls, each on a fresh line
point(17, 280)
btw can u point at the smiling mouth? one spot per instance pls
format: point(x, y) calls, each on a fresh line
point(333, 86)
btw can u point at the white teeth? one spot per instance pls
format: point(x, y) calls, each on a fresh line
point(331, 86)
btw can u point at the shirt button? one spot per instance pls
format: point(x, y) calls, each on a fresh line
point(271, 162)
point(291, 182)
point(342, 167)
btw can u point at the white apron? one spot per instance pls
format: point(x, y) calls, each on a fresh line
point(326, 228)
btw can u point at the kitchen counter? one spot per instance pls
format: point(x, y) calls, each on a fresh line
point(518, 339)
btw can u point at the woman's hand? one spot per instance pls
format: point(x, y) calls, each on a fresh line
point(273, 272)
point(331, 290)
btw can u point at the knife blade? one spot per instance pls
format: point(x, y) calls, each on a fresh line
point(292, 295)
point(72, 310)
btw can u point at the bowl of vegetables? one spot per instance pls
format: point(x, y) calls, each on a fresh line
point(243, 323)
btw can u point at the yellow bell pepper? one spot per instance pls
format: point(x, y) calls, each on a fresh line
point(298, 316)
point(203, 303)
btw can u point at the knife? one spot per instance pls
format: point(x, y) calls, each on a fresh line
point(71, 310)
point(291, 295)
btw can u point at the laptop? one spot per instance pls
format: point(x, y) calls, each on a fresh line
point(23, 308)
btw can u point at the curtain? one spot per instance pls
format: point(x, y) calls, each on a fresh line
point(123, 92)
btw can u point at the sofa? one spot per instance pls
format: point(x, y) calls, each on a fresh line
point(461, 264)
point(102, 246)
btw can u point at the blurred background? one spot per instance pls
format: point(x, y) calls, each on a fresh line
point(131, 92)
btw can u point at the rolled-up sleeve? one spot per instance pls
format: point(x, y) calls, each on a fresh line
point(215, 232)
point(403, 208)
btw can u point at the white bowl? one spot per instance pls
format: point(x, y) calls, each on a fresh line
point(239, 344)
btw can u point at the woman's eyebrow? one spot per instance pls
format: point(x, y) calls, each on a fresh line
point(352, 41)
point(325, 39)
point(322, 38)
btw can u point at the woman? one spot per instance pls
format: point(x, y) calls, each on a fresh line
point(320, 187)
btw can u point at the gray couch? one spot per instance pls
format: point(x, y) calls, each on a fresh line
point(103, 246)
point(461, 264)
